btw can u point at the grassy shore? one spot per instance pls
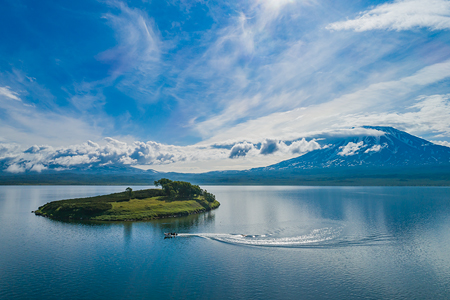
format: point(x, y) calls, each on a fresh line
point(143, 205)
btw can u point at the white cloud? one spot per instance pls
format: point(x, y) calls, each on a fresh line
point(38, 168)
point(442, 143)
point(29, 124)
point(8, 150)
point(351, 148)
point(15, 168)
point(67, 161)
point(375, 148)
point(303, 146)
point(250, 69)
point(6, 91)
point(269, 147)
point(302, 75)
point(241, 149)
point(138, 44)
point(352, 109)
point(228, 155)
point(136, 58)
point(401, 15)
point(92, 155)
point(428, 115)
point(346, 132)
point(150, 154)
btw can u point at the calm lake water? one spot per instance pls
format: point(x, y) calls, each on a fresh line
point(300, 243)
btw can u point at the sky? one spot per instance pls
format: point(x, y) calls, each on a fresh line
point(194, 86)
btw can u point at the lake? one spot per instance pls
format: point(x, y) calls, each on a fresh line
point(263, 242)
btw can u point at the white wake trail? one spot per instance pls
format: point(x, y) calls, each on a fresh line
point(316, 236)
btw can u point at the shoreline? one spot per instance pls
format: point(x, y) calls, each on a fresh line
point(161, 216)
point(175, 200)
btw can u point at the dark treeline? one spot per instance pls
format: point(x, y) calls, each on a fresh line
point(354, 176)
point(183, 190)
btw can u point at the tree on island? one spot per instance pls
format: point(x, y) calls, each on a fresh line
point(129, 192)
point(182, 190)
point(208, 196)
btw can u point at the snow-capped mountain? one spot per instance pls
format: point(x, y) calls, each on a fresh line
point(387, 147)
point(372, 155)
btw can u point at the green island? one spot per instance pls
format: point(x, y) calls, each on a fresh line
point(176, 198)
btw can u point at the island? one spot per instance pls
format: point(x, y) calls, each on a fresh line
point(174, 199)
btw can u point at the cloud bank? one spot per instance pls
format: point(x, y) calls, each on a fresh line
point(118, 154)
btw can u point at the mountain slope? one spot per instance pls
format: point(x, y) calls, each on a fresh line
point(388, 148)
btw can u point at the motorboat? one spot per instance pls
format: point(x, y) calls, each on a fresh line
point(170, 234)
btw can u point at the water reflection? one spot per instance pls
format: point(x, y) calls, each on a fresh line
point(159, 226)
point(280, 216)
point(127, 229)
point(185, 224)
point(261, 243)
point(326, 216)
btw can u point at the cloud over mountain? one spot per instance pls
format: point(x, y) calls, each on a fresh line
point(241, 149)
point(90, 155)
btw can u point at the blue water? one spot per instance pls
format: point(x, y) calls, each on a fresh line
point(261, 243)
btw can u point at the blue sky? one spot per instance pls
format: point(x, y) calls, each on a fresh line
point(175, 85)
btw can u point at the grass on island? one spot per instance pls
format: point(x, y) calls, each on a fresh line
point(157, 207)
point(129, 205)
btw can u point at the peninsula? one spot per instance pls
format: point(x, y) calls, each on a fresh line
point(176, 198)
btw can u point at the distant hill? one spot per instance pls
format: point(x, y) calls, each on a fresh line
point(386, 156)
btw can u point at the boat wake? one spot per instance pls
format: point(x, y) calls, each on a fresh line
point(326, 237)
point(316, 238)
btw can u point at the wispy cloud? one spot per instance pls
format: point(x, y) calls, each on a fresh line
point(78, 108)
point(354, 109)
point(401, 15)
point(294, 72)
point(7, 92)
point(429, 117)
point(138, 52)
point(27, 124)
point(134, 63)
